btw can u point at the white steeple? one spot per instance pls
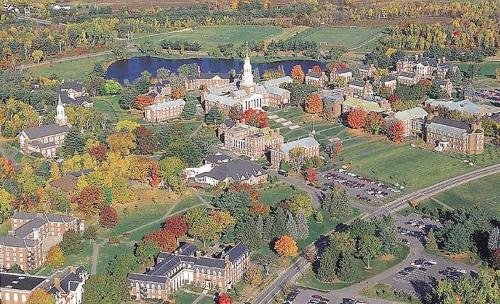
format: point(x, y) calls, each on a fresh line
point(61, 116)
point(247, 78)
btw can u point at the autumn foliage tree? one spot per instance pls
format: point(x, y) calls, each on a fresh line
point(314, 104)
point(89, 201)
point(143, 101)
point(99, 152)
point(178, 92)
point(255, 118)
point(285, 246)
point(356, 118)
point(374, 123)
point(176, 226)
point(108, 217)
point(40, 296)
point(55, 257)
point(311, 175)
point(396, 132)
point(298, 74)
point(224, 298)
point(317, 69)
point(163, 238)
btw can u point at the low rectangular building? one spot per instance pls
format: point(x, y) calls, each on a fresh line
point(164, 111)
point(235, 171)
point(409, 120)
point(448, 134)
point(464, 107)
point(362, 89)
point(310, 145)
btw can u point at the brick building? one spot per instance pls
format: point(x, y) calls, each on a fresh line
point(66, 286)
point(164, 111)
point(408, 78)
point(344, 73)
point(333, 99)
point(310, 145)
point(411, 120)
point(220, 270)
point(246, 140)
point(447, 134)
point(366, 71)
point(389, 82)
point(31, 237)
point(362, 89)
point(316, 79)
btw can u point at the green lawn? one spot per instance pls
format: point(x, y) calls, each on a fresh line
point(182, 297)
point(76, 69)
point(206, 300)
point(487, 68)
point(5, 227)
point(483, 193)
point(188, 200)
point(212, 36)
point(274, 194)
point(386, 292)
point(110, 107)
point(309, 280)
point(108, 252)
point(340, 36)
point(82, 259)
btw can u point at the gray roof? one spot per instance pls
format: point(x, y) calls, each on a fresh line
point(18, 281)
point(27, 228)
point(461, 106)
point(237, 170)
point(78, 101)
point(24, 215)
point(314, 74)
point(407, 74)
point(229, 123)
point(332, 95)
point(387, 78)
point(237, 251)
point(146, 278)
point(70, 281)
point(66, 85)
point(14, 241)
point(357, 83)
point(46, 130)
point(412, 113)
point(210, 262)
point(166, 104)
point(61, 218)
point(212, 75)
point(451, 123)
point(307, 142)
point(218, 158)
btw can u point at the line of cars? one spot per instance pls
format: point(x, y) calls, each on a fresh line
point(453, 273)
point(419, 264)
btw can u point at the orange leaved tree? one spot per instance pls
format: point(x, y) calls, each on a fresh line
point(314, 104)
point(285, 246)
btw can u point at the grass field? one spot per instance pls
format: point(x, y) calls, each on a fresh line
point(211, 36)
point(482, 193)
point(349, 38)
point(5, 227)
point(379, 265)
point(182, 297)
point(76, 69)
point(110, 107)
point(81, 259)
point(108, 252)
point(486, 68)
point(276, 193)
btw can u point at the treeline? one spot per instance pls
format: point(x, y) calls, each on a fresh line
point(179, 45)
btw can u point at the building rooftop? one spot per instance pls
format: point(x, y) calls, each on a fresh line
point(237, 170)
point(412, 113)
point(461, 106)
point(407, 74)
point(364, 104)
point(46, 130)
point(307, 142)
point(17, 281)
point(71, 85)
point(357, 83)
point(166, 104)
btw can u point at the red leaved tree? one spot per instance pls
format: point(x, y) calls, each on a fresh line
point(259, 208)
point(165, 240)
point(178, 92)
point(374, 123)
point(108, 217)
point(153, 172)
point(314, 104)
point(176, 226)
point(254, 194)
point(224, 298)
point(311, 175)
point(255, 118)
point(99, 152)
point(6, 168)
point(143, 101)
point(495, 259)
point(298, 74)
point(317, 69)
point(356, 118)
point(396, 131)
point(89, 201)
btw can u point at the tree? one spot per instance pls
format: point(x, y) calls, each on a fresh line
point(396, 132)
point(337, 202)
point(163, 238)
point(297, 74)
point(374, 123)
point(55, 257)
point(37, 55)
point(41, 296)
point(327, 264)
point(435, 91)
point(178, 92)
point(6, 208)
point(146, 251)
point(177, 226)
point(253, 275)
point(291, 226)
point(171, 171)
point(119, 50)
point(189, 111)
point(314, 104)
point(146, 142)
point(143, 101)
point(494, 239)
point(356, 118)
point(213, 116)
point(89, 201)
point(311, 175)
point(128, 97)
point(74, 142)
point(71, 242)
point(111, 87)
point(15, 269)
point(267, 261)
point(108, 217)
point(302, 226)
point(285, 246)
point(105, 289)
point(369, 247)
point(90, 233)
point(431, 243)
point(223, 298)
point(121, 265)
point(346, 267)
point(301, 203)
point(495, 259)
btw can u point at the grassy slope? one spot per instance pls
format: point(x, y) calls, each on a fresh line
point(339, 36)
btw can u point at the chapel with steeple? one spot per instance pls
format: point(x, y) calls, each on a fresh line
point(46, 139)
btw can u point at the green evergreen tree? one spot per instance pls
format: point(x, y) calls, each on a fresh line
point(279, 222)
point(431, 243)
point(337, 203)
point(328, 264)
point(291, 226)
point(302, 226)
point(346, 268)
point(189, 110)
point(213, 116)
point(74, 142)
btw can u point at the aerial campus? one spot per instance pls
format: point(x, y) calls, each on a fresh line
point(249, 151)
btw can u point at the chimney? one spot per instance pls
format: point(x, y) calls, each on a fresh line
point(72, 269)
point(57, 283)
point(226, 258)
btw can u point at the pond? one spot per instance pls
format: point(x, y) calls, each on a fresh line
point(130, 69)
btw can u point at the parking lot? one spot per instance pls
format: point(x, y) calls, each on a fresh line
point(363, 188)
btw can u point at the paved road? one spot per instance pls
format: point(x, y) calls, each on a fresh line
point(293, 271)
